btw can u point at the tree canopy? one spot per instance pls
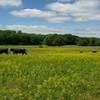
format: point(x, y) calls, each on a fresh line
point(8, 37)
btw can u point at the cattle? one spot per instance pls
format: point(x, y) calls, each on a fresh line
point(81, 51)
point(18, 51)
point(94, 51)
point(3, 50)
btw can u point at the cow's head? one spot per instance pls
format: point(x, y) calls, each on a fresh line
point(11, 49)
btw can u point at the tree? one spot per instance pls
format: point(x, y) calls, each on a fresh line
point(49, 39)
point(59, 41)
point(9, 37)
point(83, 42)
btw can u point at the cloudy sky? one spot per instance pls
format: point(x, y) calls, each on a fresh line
point(78, 17)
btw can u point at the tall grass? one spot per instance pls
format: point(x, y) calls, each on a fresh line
point(50, 73)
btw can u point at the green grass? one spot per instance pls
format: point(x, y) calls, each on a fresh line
point(50, 73)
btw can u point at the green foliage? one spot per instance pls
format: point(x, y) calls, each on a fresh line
point(89, 42)
point(70, 39)
point(54, 40)
point(19, 38)
point(59, 41)
point(49, 39)
point(83, 42)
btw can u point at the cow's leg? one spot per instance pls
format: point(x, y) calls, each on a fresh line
point(25, 53)
point(7, 52)
point(14, 53)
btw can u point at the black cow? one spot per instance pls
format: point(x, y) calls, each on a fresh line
point(3, 50)
point(94, 51)
point(18, 51)
point(81, 51)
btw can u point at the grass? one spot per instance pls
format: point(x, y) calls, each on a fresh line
point(50, 73)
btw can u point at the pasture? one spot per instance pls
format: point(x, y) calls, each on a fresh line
point(50, 73)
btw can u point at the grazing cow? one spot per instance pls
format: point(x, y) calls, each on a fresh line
point(94, 51)
point(18, 51)
point(81, 51)
point(4, 51)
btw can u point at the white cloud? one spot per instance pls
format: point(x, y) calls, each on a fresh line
point(33, 13)
point(41, 29)
point(4, 3)
point(78, 6)
point(81, 10)
point(90, 32)
point(59, 19)
point(58, 12)
point(47, 15)
point(32, 29)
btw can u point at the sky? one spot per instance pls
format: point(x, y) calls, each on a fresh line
point(77, 17)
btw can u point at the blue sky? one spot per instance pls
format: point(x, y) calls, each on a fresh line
point(78, 17)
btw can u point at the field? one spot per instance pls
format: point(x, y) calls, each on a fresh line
point(51, 73)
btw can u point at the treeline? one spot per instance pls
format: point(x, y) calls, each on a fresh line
point(18, 38)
